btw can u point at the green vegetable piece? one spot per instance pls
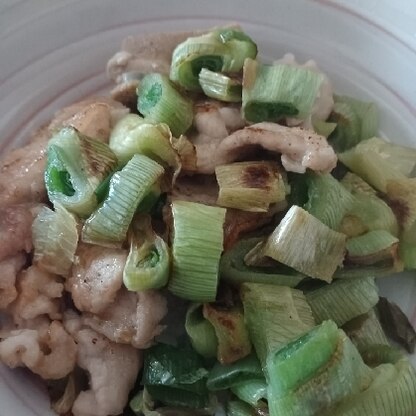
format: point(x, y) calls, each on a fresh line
point(220, 86)
point(251, 391)
point(239, 408)
point(160, 102)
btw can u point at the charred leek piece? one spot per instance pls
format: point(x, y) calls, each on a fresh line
point(220, 86)
point(271, 92)
point(316, 256)
point(365, 331)
point(233, 339)
point(222, 50)
point(75, 167)
point(392, 391)
point(370, 166)
point(160, 102)
point(223, 377)
point(234, 269)
point(108, 225)
point(250, 186)
point(372, 247)
point(314, 372)
point(196, 250)
point(148, 263)
point(343, 300)
point(328, 200)
point(55, 239)
point(368, 212)
point(201, 332)
point(133, 135)
point(275, 315)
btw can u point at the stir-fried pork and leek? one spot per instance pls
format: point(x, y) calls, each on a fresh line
point(207, 242)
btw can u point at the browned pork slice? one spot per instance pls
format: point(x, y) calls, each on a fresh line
point(96, 277)
point(112, 368)
point(300, 148)
point(146, 53)
point(39, 293)
point(133, 318)
point(51, 353)
point(9, 268)
point(16, 228)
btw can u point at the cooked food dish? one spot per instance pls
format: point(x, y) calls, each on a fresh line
point(207, 240)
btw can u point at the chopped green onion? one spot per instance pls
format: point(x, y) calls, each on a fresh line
point(365, 331)
point(251, 391)
point(108, 225)
point(75, 167)
point(343, 300)
point(234, 269)
point(372, 247)
point(148, 262)
point(328, 200)
point(186, 151)
point(275, 315)
point(239, 408)
point(271, 92)
point(201, 332)
point(323, 128)
point(223, 377)
point(222, 50)
point(317, 256)
point(250, 186)
point(175, 376)
point(196, 250)
point(55, 239)
point(314, 372)
point(160, 102)
point(220, 86)
point(233, 339)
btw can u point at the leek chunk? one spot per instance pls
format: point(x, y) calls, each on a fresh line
point(108, 225)
point(343, 300)
point(76, 165)
point(55, 239)
point(251, 391)
point(317, 256)
point(160, 102)
point(275, 315)
point(220, 86)
point(196, 249)
point(250, 186)
point(271, 92)
point(223, 50)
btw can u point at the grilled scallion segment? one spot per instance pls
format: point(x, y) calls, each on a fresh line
point(148, 262)
point(55, 239)
point(328, 200)
point(343, 300)
point(356, 121)
point(234, 269)
point(76, 165)
point(160, 102)
point(108, 225)
point(275, 315)
point(250, 186)
point(220, 86)
point(271, 92)
point(201, 332)
point(314, 372)
point(196, 249)
point(317, 256)
point(368, 212)
point(233, 339)
point(251, 391)
point(223, 50)
point(365, 331)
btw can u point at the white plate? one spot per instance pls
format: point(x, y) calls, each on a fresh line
point(54, 52)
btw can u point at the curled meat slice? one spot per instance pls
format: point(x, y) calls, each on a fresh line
point(39, 293)
point(112, 369)
point(133, 318)
point(8, 271)
point(300, 148)
point(26, 348)
point(16, 228)
point(96, 277)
